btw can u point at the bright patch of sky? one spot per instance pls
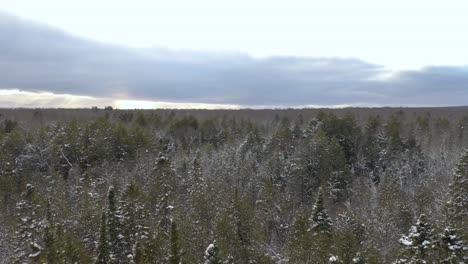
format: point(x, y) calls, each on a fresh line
point(15, 98)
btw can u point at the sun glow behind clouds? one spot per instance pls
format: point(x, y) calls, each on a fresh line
point(15, 98)
point(137, 104)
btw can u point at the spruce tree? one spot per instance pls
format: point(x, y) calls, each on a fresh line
point(458, 203)
point(174, 256)
point(196, 175)
point(321, 222)
point(351, 235)
point(132, 212)
point(50, 243)
point(418, 244)
point(321, 231)
point(452, 248)
point(117, 253)
point(199, 209)
point(28, 246)
point(424, 238)
point(103, 246)
point(138, 253)
point(300, 242)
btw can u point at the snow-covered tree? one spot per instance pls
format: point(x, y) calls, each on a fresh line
point(458, 203)
point(133, 212)
point(320, 231)
point(197, 182)
point(320, 221)
point(452, 248)
point(110, 247)
point(103, 251)
point(30, 227)
point(50, 238)
point(117, 253)
point(418, 244)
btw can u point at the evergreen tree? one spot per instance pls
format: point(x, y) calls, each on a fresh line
point(197, 183)
point(452, 248)
point(200, 210)
point(393, 215)
point(458, 203)
point(321, 222)
point(321, 231)
point(371, 149)
point(138, 253)
point(300, 241)
point(133, 212)
point(174, 256)
point(30, 227)
point(103, 251)
point(418, 244)
point(320, 161)
point(117, 253)
point(351, 235)
point(50, 243)
point(242, 221)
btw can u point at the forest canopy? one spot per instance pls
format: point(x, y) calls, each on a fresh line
point(383, 185)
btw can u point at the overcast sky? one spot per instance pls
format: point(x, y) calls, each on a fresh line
point(233, 53)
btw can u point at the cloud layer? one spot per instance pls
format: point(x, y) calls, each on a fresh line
point(36, 57)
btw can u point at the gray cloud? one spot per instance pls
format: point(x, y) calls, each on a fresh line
point(36, 57)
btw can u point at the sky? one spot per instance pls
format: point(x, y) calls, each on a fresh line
point(213, 53)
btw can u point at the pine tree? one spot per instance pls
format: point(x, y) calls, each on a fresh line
point(200, 210)
point(452, 249)
point(117, 253)
point(132, 214)
point(458, 203)
point(393, 214)
point(212, 254)
point(110, 247)
point(351, 235)
point(28, 246)
point(138, 253)
point(196, 175)
point(242, 216)
point(321, 231)
point(50, 243)
point(103, 246)
point(418, 244)
point(300, 242)
point(321, 222)
point(174, 257)
point(165, 214)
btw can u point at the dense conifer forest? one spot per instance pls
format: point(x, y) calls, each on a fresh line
point(383, 185)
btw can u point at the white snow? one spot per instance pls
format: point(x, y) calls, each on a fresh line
point(406, 241)
point(209, 250)
point(33, 255)
point(425, 243)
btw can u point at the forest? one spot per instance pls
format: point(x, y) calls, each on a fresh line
point(353, 185)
